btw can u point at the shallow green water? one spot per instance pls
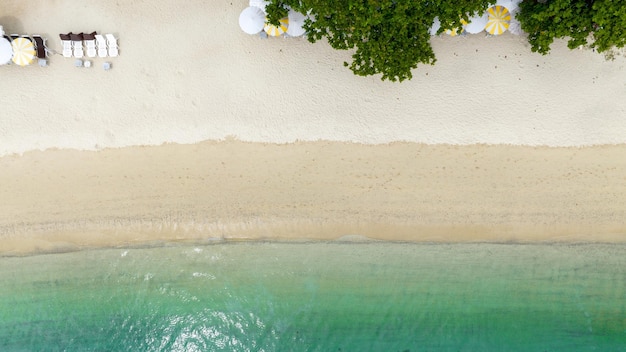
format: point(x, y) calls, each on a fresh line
point(317, 297)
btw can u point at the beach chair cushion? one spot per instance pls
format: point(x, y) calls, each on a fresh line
point(77, 44)
point(90, 44)
point(112, 44)
point(40, 46)
point(101, 45)
point(67, 45)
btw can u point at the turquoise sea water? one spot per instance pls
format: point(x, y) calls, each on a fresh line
point(317, 297)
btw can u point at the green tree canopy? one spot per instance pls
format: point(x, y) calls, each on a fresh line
point(389, 37)
point(599, 24)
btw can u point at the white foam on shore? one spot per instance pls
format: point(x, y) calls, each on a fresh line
point(187, 74)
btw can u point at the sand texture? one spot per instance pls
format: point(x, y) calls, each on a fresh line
point(188, 73)
point(59, 200)
point(275, 139)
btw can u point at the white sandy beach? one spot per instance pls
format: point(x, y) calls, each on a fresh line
point(188, 74)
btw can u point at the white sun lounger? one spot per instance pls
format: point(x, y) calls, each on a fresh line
point(42, 49)
point(67, 45)
point(90, 43)
point(40, 46)
point(102, 45)
point(112, 44)
point(77, 44)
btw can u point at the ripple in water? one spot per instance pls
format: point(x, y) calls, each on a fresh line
point(317, 297)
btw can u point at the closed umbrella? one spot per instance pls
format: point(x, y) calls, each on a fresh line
point(499, 20)
point(296, 21)
point(6, 51)
point(515, 27)
point(276, 31)
point(435, 26)
point(252, 20)
point(477, 24)
point(23, 51)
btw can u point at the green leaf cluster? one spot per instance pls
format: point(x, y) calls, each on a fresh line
point(599, 24)
point(391, 37)
point(388, 37)
point(275, 11)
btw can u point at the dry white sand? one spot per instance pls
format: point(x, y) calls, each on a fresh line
point(187, 74)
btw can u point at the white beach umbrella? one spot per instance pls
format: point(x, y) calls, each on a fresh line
point(23, 51)
point(477, 24)
point(259, 3)
point(296, 21)
point(6, 51)
point(510, 5)
point(252, 20)
point(435, 27)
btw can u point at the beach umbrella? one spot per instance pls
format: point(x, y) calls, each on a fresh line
point(6, 51)
point(477, 24)
point(296, 21)
point(275, 31)
point(510, 5)
point(499, 20)
point(515, 27)
point(454, 32)
point(259, 3)
point(252, 20)
point(435, 27)
point(23, 51)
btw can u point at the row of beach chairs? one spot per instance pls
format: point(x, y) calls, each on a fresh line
point(89, 44)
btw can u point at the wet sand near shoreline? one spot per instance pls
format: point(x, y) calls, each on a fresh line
point(66, 200)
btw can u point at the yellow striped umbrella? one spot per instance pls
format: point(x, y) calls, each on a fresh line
point(274, 31)
point(499, 20)
point(23, 51)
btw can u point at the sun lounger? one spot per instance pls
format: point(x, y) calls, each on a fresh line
point(67, 44)
point(102, 45)
point(77, 44)
point(42, 50)
point(112, 44)
point(90, 43)
point(40, 46)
